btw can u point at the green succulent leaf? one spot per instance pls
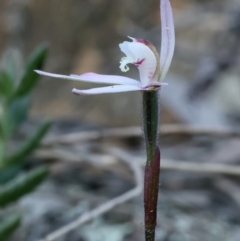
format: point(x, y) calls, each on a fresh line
point(30, 78)
point(6, 85)
point(22, 185)
point(28, 147)
point(10, 66)
point(9, 226)
point(2, 150)
point(18, 111)
point(3, 133)
point(9, 172)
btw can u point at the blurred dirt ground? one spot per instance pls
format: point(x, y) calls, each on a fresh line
point(199, 196)
point(204, 90)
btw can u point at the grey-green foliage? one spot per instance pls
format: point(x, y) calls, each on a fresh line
point(8, 226)
point(21, 185)
point(15, 99)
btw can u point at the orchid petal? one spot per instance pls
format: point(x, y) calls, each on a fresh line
point(168, 37)
point(108, 90)
point(125, 49)
point(94, 78)
point(140, 55)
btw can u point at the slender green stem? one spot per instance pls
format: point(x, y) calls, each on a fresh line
point(152, 169)
point(150, 122)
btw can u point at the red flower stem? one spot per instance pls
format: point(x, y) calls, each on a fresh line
point(152, 169)
point(151, 184)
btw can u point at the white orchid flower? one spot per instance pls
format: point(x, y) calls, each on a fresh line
point(140, 53)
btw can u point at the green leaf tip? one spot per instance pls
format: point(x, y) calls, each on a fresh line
point(28, 147)
point(9, 226)
point(22, 185)
point(30, 78)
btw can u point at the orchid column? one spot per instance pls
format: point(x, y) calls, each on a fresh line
point(153, 69)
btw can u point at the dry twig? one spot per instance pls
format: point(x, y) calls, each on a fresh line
point(166, 164)
point(105, 207)
point(136, 131)
point(230, 188)
point(134, 164)
point(216, 168)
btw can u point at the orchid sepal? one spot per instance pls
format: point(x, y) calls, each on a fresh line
point(167, 38)
point(93, 78)
point(107, 90)
point(119, 89)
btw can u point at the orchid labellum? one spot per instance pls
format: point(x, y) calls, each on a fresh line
point(140, 53)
